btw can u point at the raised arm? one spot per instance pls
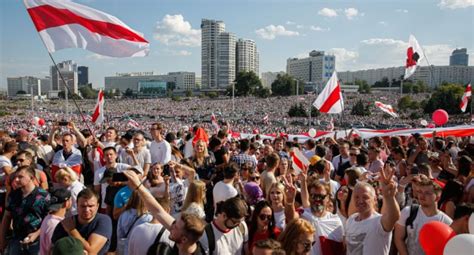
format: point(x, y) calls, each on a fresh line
point(390, 209)
point(81, 140)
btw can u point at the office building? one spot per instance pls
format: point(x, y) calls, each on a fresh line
point(459, 57)
point(316, 69)
point(83, 75)
point(23, 85)
point(68, 70)
point(123, 81)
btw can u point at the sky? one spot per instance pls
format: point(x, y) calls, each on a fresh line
point(361, 34)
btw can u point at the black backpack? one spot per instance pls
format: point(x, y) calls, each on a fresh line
point(161, 248)
point(411, 218)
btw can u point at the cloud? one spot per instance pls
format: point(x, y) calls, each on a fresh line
point(181, 53)
point(455, 4)
point(352, 13)
point(299, 26)
point(319, 29)
point(345, 59)
point(270, 32)
point(290, 22)
point(327, 12)
point(383, 23)
point(173, 30)
point(402, 10)
point(382, 41)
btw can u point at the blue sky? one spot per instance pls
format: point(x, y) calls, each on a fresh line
point(362, 34)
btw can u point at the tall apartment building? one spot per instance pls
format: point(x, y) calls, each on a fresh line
point(124, 81)
point(226, 59)
point(247, 58)
point(26, 84)
point(210, 30)
point(459, 57)
point(68, 70)
point(317, 68)
point(83, 75)
point(433, 76)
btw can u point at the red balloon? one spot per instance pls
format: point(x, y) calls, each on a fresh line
point(434, 236)
point(41, 122)
point(440, 117)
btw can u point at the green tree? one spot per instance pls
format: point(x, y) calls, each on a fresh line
point(262, 92)
point(446, 97)
point(407, 102)
point(21, 92)
point(297, 110)
point(212, 94)
point(364, 88)
point(128, 92)
point(88, 92)
point(285, 85)
point(384, 83)
point(361, 109)
point(188, 93)
point(246, 84)
point(315, 112)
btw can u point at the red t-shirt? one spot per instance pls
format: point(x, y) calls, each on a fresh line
point(263, 236)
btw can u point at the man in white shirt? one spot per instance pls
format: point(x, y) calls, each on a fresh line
point(368, 232)
point(224, 189)
point(428, 195)
point(160, 149)
point(343, 156)
point(139, 151)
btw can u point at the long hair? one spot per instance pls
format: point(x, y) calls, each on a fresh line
point(453, 191)
point(295, 228)
point(279, 186)
point(254, 220)
point(196, 194)
point(136, 203)
point(150, 177)
point(202, 155)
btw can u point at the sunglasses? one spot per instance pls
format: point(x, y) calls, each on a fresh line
point(264, 217)
point(318, 196)
point(353, 154)
point(254, 178)
point(307, 245)
point(20, 159)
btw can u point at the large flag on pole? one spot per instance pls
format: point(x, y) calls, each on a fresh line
point(330, 99)
point(414, 56)
point(465, 98)
point(386, 108)
point(98, 115)
point(65, 24)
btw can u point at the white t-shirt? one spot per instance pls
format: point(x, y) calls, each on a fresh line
point(75, 188)
point(103, 186)
point(143, 236)
point(367, 237)
point(4, 161)
point(421, 219)
point(160, 152)
point(231, 242)
point(223, 191)
point(143, 157)
point(327, 227)
point(335, 161)
point(280, 219)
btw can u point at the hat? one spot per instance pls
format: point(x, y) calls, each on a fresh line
point(314, 159)
point(22, 132)
point(254, 192)
point(58, 197)
point(68, 245)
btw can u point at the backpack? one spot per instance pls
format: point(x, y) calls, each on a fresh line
point(411, 218)
point(211, 239)
point(161, 248)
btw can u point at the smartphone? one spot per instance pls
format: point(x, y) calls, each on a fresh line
point(166, 170)
point(63, 123)
point(119, 177)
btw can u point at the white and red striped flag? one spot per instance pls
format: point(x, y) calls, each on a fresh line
point(299, 160)
point(214, 122)
point(65, 24)
point(386, 108)
point(265, 119)
point(465, 98)
point(330, 99)
point(133, 123)
point(98, 115)
point(414, 56)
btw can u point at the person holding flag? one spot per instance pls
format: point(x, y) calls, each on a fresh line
point(465, 98)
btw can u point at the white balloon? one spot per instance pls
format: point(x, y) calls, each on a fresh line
point(424, 123)
point(471, 224)
point(312, 132)
point(462, 244)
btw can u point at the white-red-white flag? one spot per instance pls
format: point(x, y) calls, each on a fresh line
point(465, 98)
point(265, 119)
point(330, 99)
point(98, 115)
point(133, 123)
point(386, 108)
point(214, 122)
point(414, 56)
point(65, 24)
point(299, 160)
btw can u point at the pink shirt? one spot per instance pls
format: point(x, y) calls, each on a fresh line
point(46, 232)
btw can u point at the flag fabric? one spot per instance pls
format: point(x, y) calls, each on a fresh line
point(386, 108)
point(414, 56)
point(330, 99)
point(98, 115)
point(465, 98)
point(265, 119)
point(299, 160)
point(133, 123)
point(214, 122)
point(330, 126)
point(65, 24)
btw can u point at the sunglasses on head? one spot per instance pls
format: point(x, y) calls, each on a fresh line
point(264, 217)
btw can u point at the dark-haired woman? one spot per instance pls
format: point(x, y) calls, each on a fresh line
point(451, 196)
point(262, 224)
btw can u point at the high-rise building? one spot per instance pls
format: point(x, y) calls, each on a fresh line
point(226, 59)
point(210, 30)
point(83, 75)
point(459, 57)
point(269, 77)
point(68, 70)
point(315, 69)
point(247, 56)
point(23, 85)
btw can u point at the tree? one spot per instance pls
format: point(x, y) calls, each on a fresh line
point(384, 83)
point(285, 85)
point(188, 93)
point(446, 97)
point(246, 83)
point(361, 109)
point(364, 88)
point(262, 92)
point(315, 112)
point(407, 102)
point(88, 92)
point(297, 110)
point(212, 94)
point(21, 92)
point(128, 92)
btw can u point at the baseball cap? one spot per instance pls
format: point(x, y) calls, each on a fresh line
point(58, 197)
point(314, 159)
point(68, 245)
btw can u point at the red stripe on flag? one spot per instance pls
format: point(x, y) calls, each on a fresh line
point(46, 16)
point(332, 99)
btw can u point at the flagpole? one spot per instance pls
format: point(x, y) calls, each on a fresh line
point(68, 90)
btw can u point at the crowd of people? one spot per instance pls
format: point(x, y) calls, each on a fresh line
point(73, 191)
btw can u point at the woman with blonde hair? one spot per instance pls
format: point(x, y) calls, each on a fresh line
point(298, 237)
point(202, 162)
point(276, 197)
point(195, 199)
point(67, 179)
